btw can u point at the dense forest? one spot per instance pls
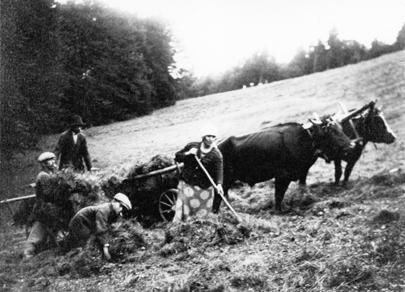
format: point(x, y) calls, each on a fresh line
point(79, 58)
point(85, 58)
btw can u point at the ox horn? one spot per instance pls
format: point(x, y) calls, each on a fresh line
point(317, 119)
point(356, 112)
point(344, 109)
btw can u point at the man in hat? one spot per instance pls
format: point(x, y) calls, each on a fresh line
point(96, 220)
point(71, 150)
point(45, 213)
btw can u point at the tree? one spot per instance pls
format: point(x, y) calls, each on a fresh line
point(118, 65)
point(335, 56)
point(400, 42)
point(299, 65)
point(159, 58)
point(318, 57)
point(378, 49)
point(184, 84)
point(80, 58)
point(33, 75)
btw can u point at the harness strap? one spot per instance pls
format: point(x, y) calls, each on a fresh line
point(318, 152)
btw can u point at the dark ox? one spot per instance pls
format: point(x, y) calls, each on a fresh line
point(370, 126)
point(283, 152)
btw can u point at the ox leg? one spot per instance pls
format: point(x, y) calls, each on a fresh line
point(303, 178)
point(281, 186)
point(352, 159)
point(338, 170)
point(348, 170)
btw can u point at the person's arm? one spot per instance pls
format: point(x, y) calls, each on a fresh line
point(219, 171)
point(58, 151)
point(102, 228)
point(190, 148)
point(106, 253)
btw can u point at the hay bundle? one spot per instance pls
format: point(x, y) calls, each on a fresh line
point(157, 162)
point(386, 184)
point(197, 233)
point(23, 212)
point(155, 184)
point(70, 192)
point(127, 238)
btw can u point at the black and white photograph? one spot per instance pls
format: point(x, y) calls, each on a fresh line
point(202, 146)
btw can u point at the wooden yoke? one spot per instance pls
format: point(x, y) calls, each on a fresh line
point(356, 112)
point(345, 111)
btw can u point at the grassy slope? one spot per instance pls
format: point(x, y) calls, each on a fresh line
point(312, 244)
point(120, 145)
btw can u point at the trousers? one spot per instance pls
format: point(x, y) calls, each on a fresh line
point(39, 234)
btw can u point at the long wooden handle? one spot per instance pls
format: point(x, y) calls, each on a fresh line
point(215, 187)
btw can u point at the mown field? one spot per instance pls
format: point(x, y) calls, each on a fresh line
point(332, 238)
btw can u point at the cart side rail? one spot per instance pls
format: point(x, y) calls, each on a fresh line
point(159, 171)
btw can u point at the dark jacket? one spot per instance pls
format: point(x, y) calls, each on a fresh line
point(71, 154)
point(45, 210)
point(96, 219)
point(192, 172)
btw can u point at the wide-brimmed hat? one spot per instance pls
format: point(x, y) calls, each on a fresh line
point(77, 121)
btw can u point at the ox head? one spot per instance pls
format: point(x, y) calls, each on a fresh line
point(371, 125)
point(328, 138)
point(376, 128)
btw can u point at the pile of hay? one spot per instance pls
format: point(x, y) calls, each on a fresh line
point(127, 239)
point(202, 233)
point(126, 242)
point(157, 162)
point(386, 184)
point(71, 192)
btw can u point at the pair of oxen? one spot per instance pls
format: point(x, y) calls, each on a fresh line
point(286, 152)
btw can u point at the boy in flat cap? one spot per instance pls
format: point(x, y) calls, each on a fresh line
point(96, 220)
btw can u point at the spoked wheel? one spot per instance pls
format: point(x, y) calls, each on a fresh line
point(167, 204)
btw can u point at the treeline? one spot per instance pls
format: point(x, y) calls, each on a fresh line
point(84, 58)
point(78, 58)
point(262, 68)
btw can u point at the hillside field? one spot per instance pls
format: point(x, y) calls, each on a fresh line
point(333, 238)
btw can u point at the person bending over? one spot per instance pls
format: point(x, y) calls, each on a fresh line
point(97, 220)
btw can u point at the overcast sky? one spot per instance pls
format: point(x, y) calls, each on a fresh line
point(217, 34)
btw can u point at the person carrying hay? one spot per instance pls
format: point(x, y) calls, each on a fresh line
point(196, 193)
point(96, 220)
point(45, 212)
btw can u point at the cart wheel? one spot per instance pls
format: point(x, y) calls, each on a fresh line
point(167, 204)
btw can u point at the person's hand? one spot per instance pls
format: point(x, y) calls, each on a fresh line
point(192, 151)
point(219, 189)
point(107, 255)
